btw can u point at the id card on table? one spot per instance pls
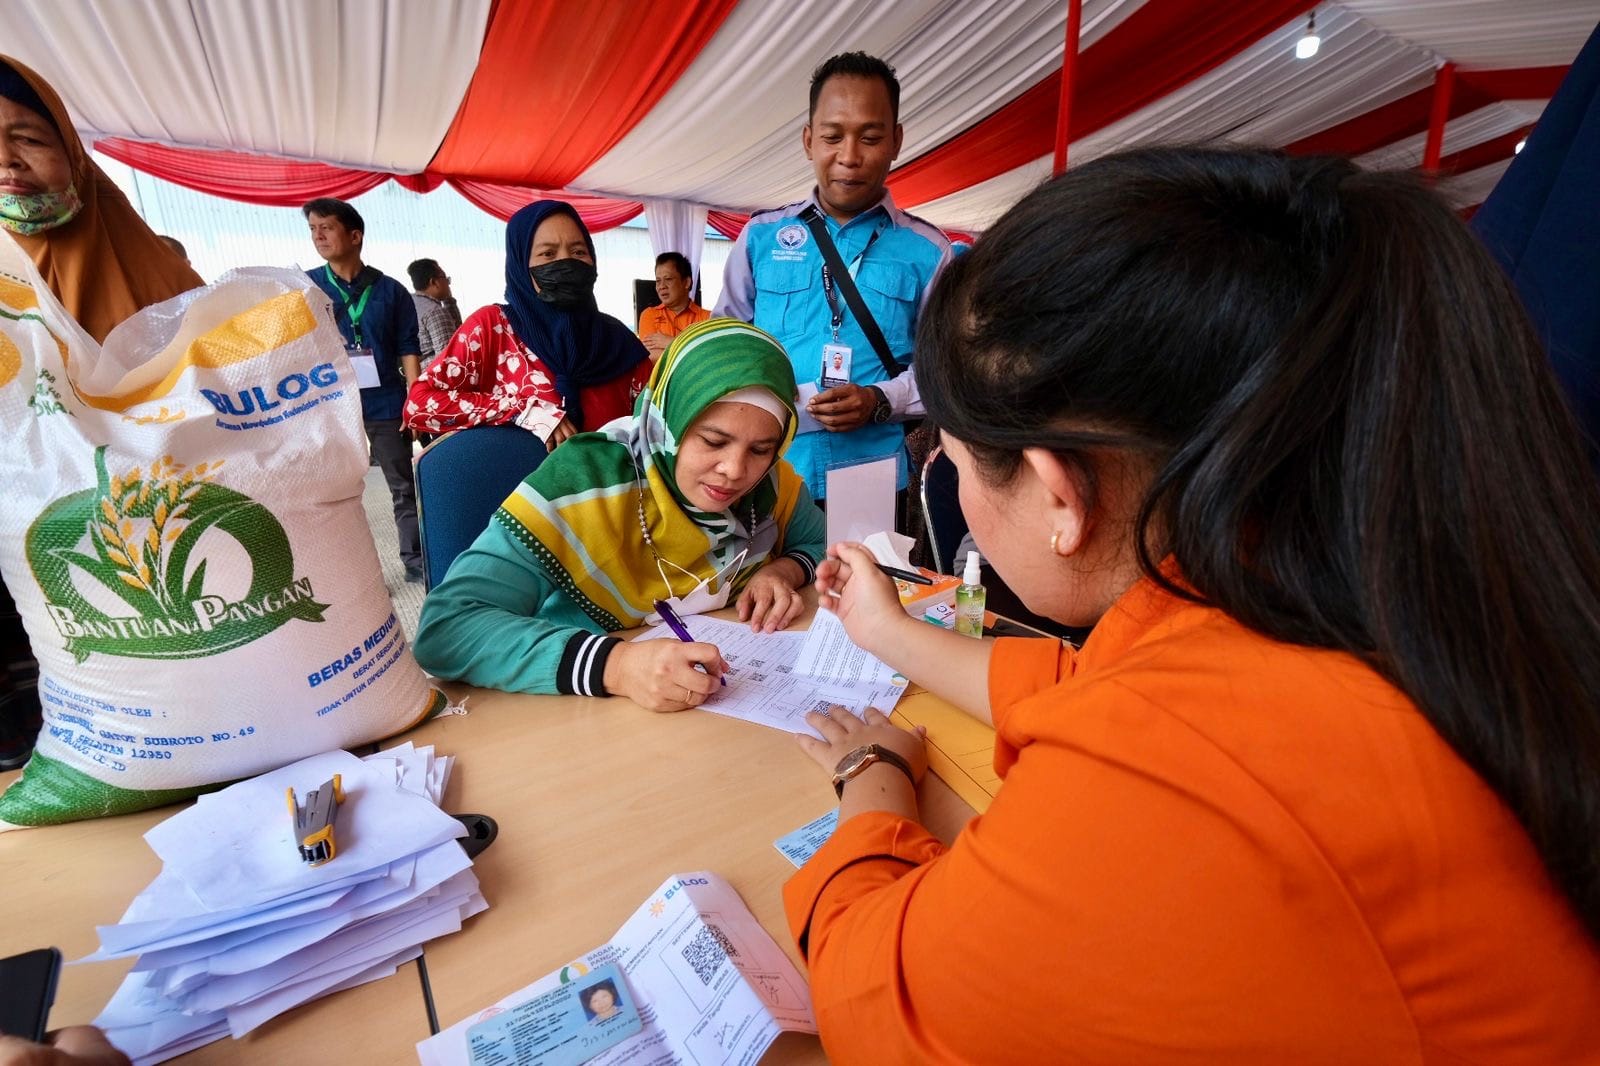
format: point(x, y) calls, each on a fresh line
point(835, 365)
point(562, 1027)
point(365, 364)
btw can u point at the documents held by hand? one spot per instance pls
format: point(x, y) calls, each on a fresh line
point(775, 678)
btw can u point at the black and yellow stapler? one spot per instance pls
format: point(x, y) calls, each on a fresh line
point(313, 822)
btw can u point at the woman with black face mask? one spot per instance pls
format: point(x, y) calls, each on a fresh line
point(547, 359)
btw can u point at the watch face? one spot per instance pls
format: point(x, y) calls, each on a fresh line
point(853, 760)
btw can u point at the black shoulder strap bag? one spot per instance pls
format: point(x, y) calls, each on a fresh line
point(835, 270)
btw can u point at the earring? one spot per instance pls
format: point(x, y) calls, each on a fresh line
point(1055, 539)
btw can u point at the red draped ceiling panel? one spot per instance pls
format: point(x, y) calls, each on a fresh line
point(1157, 49)
point(254, 179)
point(273, 182)
point(727, 223)
point(503, 201)
point(538, 111)
point(1408, 116)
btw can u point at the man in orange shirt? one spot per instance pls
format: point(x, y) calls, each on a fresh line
point(676, 312)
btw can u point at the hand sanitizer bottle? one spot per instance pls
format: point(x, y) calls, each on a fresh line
point(969, 600)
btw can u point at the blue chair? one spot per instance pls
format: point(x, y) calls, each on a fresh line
point(462, 478)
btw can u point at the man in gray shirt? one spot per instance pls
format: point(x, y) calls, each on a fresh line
point(438, 318)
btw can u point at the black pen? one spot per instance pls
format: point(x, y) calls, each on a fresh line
point(906, 575)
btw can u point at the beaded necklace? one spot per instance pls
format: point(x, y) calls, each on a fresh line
point(650, 542)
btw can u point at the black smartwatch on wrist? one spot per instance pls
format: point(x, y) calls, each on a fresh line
point(860, 758)
point(881, 412)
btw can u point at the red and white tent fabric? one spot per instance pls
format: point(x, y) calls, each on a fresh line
point(694, 108)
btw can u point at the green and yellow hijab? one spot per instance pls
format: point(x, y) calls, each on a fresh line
point(579, 513)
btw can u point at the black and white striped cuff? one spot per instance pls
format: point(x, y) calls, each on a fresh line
point(805, 562)
point(583, 665)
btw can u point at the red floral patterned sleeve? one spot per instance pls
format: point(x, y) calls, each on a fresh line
point(484, 377)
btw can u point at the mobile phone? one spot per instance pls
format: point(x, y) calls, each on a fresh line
point(29, 981)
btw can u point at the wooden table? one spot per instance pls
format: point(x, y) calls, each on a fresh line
point(62, 881)
point(598, 802)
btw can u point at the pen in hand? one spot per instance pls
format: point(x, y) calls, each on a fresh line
point(681, 631)
point(895, 572)
point(905, 575)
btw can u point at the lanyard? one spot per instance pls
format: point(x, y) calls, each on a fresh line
point(835, 308)
point(354, 312)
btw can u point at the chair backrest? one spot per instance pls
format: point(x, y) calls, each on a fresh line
point(461, 479)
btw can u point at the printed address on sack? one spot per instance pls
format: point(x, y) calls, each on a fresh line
point(69, 719)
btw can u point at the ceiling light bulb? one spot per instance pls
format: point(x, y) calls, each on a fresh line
point(1307, 46)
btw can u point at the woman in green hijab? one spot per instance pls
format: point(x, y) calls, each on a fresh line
point(687, 501)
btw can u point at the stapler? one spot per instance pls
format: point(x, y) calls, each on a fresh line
point(313, 822)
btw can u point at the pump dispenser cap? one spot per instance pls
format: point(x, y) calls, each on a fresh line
point(972, 575)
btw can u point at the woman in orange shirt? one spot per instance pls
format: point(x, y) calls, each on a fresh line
point(1323, 785)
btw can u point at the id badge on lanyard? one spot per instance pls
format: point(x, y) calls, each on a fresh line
point(835, 365)
point(365, 364)
point(837, 358)
point(362, 358)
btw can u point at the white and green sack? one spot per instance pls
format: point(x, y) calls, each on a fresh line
point(181, 528)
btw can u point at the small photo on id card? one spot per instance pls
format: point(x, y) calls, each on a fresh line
point(835, 365)
point(562, 1027)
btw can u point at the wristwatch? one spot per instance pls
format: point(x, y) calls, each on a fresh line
point(881, 410)
point(860, 758)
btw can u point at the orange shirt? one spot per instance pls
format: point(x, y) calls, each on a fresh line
point(1208, 847)
point(658, 319)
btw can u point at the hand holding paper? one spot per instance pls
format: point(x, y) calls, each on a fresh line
point(863, 598)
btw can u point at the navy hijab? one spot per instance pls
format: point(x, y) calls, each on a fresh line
point(583, 346)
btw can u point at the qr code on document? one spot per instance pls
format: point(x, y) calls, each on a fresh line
point(706, 953)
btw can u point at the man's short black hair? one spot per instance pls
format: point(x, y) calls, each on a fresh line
point(680, 263)
point(422, 272)
point(856, 65)
point(328, 207)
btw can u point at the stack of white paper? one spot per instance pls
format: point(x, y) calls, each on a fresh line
point(236, 929)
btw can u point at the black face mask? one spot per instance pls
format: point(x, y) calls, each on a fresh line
point(566, 283)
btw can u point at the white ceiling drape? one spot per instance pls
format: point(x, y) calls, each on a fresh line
point(376, 84)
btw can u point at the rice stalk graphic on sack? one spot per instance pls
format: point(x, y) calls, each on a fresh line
point(143, 528)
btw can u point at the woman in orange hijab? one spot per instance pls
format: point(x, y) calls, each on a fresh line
point(102, 262)
point(93, 250)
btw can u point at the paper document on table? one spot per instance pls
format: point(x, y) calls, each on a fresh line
point(716, 989)
point(767, 683)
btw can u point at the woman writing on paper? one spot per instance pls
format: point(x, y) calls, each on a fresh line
point(547, 359)
point(687, 502)
point(1323, 785)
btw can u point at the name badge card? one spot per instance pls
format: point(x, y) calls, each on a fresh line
point(835, 365)
point(562, 1027)
point(365, 364)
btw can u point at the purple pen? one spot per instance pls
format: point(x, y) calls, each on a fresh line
point(679, 630)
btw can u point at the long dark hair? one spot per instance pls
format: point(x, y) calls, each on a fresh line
point(1358, 441)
